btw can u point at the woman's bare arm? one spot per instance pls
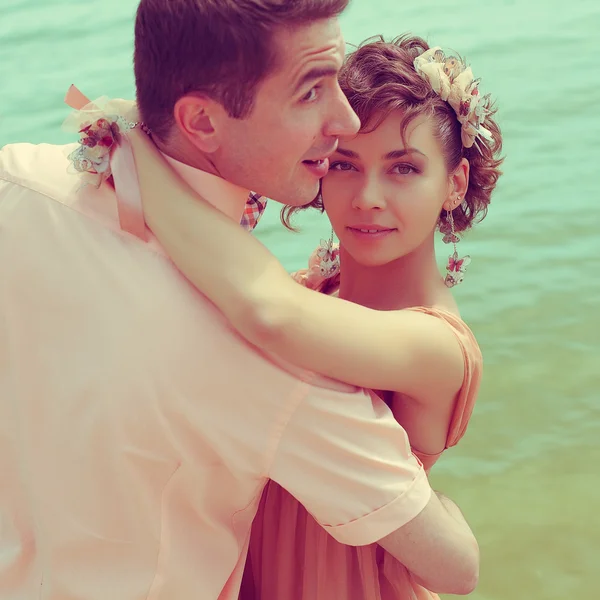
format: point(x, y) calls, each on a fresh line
point(438, 548)
point(393, 350)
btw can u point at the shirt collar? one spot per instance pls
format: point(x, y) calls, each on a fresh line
point(229, 198)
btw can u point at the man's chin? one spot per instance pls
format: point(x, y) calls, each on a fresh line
point(300, 204)
point(305, 197)
point(297, 197)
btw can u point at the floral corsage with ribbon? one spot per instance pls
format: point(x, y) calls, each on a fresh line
point(100, 126)
point(104, 153)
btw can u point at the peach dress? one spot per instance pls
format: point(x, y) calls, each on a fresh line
point(291, 557)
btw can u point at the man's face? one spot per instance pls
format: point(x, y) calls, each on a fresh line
point(281, 149)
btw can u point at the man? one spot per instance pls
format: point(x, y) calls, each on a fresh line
point(137, 431)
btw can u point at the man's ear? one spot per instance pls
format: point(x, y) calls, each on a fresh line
point(195, 116)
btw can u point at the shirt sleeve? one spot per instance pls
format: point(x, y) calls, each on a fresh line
point(346, 459)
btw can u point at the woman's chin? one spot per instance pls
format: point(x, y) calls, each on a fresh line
point(370, 259)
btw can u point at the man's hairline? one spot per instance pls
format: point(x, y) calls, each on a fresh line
point(277, 66)
point(272, 70)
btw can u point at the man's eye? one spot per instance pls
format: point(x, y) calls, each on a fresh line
point(311, 95)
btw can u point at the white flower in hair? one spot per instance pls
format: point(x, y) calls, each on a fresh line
point(453, 81)
point(430, 68)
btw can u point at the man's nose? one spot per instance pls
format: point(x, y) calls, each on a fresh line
point(343, 121)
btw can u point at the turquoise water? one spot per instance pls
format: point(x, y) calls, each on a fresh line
point(527, 474)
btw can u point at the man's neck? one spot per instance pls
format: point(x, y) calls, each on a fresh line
point(204, 178)
point(187, 154)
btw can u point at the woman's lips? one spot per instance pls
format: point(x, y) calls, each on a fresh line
point(370, 232)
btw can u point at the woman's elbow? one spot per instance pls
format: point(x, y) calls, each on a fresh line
point(459, 578)
point(466, 573)
point(469, 581)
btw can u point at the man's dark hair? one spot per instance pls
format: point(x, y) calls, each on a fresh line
point(221, 48)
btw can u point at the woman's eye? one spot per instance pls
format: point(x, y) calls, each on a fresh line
point(403, 169)
point(341, 166)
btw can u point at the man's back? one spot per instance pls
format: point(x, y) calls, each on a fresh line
point(136, 429)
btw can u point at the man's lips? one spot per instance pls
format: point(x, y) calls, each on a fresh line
point(322, 156)
point(318, 168)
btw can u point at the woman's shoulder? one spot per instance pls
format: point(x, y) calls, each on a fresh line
point(467, 338)
point(455, 424)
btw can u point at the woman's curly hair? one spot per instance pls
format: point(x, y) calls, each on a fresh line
point(378, 78)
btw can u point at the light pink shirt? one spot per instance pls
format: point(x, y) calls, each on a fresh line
point(137, 430)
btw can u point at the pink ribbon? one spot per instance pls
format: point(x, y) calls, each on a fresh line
point(124, 174)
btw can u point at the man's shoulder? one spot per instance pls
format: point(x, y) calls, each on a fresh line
point(42, 168)
point(39, 176)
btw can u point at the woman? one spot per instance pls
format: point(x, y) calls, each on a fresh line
point(426, 158)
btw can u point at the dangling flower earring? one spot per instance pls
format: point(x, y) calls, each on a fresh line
point(456, 267)
point(329, 255)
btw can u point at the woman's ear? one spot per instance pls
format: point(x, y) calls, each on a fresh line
point(459, 184)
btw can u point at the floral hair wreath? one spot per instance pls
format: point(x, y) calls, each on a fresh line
point(452, 80)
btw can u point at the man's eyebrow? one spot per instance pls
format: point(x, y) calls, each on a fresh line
point(347, 153)
point(313, 74)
